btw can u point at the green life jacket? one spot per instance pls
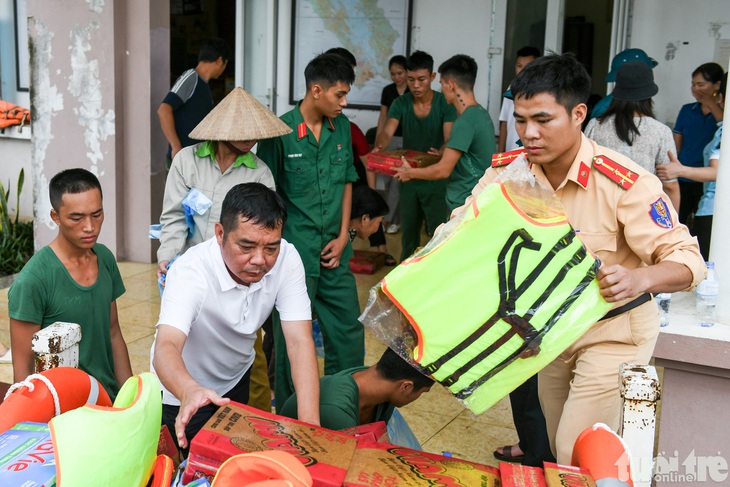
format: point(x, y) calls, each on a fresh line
point(114, 447)
point(502, 296)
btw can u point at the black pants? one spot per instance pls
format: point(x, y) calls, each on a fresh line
point(530, 424)
point(690, 194)
point(703, 231)
point(239, 393)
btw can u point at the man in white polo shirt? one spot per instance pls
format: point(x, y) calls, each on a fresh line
point(217, 296)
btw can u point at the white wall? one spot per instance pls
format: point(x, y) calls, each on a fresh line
point(660, 26)
point(440, 28)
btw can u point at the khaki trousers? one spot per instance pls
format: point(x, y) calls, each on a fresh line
point(581, 386)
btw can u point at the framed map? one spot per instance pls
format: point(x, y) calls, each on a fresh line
point(372, 30)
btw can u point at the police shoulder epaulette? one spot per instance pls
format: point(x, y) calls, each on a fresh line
point(614, 171)
point(504, 158)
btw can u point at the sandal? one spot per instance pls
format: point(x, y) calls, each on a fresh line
point(390, 260)
point(506, 455)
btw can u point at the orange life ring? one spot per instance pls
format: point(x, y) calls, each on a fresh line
point(34, 400)
point(162, 472)
point(604, 454)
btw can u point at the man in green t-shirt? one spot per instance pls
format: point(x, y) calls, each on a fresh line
point(426, 119)
point(364, 395)
point(469, 150)
point(73, 279)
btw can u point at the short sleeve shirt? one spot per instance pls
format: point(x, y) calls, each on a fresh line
point(422, 133)
point(697, 131)
point(191, 100)
point(221, 317)
point(648, 149)
point(473, 136)
point(311, 177)
point(507, 115)
point(339, 402)
point(389, 94)
point(44, 292)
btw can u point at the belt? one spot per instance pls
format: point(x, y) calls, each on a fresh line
point(628, 306)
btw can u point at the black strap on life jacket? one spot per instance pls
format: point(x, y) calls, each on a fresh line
point(506, 308)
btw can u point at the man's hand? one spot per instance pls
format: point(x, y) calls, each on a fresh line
point(162, 269)
point(192, 400)
point(672, 170)
point(401, 173)
point(330, 256)
point(617, 282)
point(434, 152)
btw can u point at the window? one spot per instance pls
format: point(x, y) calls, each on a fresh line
point(14, 58)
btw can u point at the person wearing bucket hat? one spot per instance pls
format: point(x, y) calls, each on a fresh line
point(629, 126)
point(208, 170)
point(313, 169)
point(625, 56)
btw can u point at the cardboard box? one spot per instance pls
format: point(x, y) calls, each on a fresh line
point(366, 261)
point(377, 432)
point(237, 428)
point(378, 464)
point(516, 475)
point(562, 475)
point(384, 162)
point(26, 456)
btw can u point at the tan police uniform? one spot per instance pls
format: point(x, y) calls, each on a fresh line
point(623, 216)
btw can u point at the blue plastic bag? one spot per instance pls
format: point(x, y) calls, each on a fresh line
point(400, 433)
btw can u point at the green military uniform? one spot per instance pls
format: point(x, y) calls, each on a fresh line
point(311, 177)
point(421, 199)
point(473, 136)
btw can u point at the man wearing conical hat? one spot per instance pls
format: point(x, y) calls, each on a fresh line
point(313, 169)
point(208, 170)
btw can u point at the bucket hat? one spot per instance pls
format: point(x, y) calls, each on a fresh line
point(634, 82)
point(627, 56)
point(239, 116)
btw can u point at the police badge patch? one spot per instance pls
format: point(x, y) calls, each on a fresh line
point(660, 215)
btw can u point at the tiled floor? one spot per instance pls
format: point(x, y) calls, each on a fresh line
point(439, 421)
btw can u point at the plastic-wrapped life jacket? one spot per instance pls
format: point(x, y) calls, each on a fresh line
point(499, 298)
point(111, 446)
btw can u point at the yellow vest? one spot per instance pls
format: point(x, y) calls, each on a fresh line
point(503, 295)
point(114, 447)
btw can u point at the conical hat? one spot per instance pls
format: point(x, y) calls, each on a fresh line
point(239, 116)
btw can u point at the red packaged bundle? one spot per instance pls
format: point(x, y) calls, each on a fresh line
point(384, 162)
point(516, 475)
point(366, 261)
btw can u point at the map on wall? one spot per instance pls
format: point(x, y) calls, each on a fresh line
point(372, 30)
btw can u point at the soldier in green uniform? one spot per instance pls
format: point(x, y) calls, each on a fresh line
point(469, 150)
point(313, 170)
point(426, 118)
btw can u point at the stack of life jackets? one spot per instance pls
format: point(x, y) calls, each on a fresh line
point(505, 289)
point(11, 114)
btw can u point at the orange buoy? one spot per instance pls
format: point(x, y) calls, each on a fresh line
point(42, 396)
point(604, 454)
point(162, 472)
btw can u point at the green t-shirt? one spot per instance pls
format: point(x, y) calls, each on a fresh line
point(311, 177)
point(472, 135)
point(339, 402)
point(422, 133)
point(44, 292)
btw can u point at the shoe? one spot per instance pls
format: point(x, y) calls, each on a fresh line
point(506, 455)
point(7, 358)
point(390, 260)
point(392, 228)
